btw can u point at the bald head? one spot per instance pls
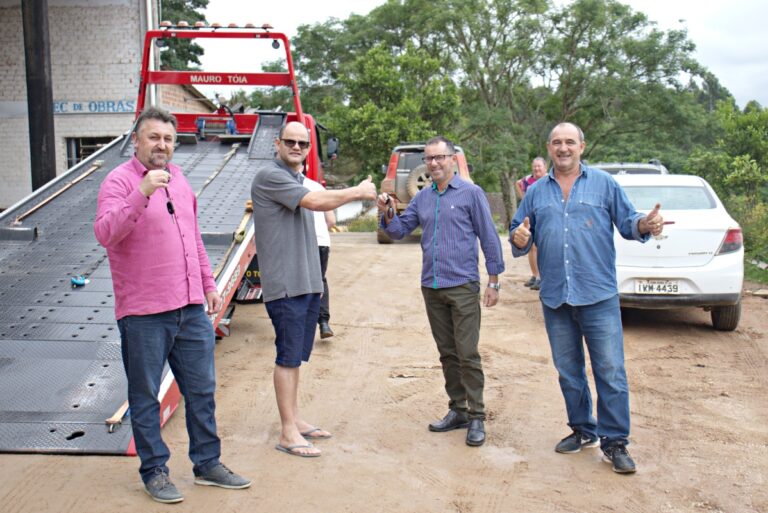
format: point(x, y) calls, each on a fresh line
point(566, 124)
point(292, 126)
point(292, 145)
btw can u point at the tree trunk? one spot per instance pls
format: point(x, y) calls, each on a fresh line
point(508, 179)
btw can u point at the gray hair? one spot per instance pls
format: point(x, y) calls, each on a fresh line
point(564, 123)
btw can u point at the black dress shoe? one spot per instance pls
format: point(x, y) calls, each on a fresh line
point(325, 330)
point(454, 420)
point(476, 433)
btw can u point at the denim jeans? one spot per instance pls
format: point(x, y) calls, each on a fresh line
point(599, 325)
point(185, 338)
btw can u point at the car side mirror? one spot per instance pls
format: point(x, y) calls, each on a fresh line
point(332, 147)
point(470, 168)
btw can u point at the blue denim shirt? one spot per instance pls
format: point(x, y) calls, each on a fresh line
point(576, 255)
point(451, 222)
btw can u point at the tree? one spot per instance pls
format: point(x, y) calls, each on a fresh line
point(737, 168)
point(391, 98)
point(178, 54)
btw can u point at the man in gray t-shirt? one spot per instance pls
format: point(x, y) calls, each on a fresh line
point(289, 264)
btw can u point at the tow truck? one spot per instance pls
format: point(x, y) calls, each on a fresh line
point(62, 384)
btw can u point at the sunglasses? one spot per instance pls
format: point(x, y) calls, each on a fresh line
point(293, 142)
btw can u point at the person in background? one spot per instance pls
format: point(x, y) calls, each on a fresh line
point(324, 221)
point(570, 214)
point(453, 215)
point(146, 218)
point(538, 169)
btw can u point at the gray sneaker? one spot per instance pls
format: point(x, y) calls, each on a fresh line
point(161, 489)
point(575, 441)
point(618, 456)
point(222, 477)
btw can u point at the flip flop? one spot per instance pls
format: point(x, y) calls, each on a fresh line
point(308, 434)
point(291, 449)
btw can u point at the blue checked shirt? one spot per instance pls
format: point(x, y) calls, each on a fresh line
point(576, 255)
point(451, 221)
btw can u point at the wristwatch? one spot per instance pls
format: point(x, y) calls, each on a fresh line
point(496, 286)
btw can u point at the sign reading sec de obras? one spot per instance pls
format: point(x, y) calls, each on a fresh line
point(94, 107)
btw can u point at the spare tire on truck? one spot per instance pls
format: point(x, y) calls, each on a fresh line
point(417, 180)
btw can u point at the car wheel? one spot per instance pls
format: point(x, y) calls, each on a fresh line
point(417, 180)
point(382, 237)
point(726, 318)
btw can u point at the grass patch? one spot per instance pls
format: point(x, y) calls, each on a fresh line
point(363, 224)
point(755, 274)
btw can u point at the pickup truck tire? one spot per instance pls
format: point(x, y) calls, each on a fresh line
point(417, 179)
point(382, 237)
point(726, 318)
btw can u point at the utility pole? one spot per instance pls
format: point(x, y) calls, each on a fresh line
point(37, 53)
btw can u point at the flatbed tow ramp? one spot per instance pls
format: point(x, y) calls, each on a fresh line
point(62, 383)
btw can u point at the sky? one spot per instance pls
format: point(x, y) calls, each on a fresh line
point(730, 37)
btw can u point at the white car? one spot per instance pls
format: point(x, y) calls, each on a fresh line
point(697, 261)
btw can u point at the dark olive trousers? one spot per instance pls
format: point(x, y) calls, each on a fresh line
point(454, 316)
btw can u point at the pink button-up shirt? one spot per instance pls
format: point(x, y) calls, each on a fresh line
point(158, 260)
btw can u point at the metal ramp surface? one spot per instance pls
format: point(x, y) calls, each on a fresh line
point(262, 144)
point(61, 373)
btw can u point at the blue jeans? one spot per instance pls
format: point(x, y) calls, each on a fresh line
point(599, 325)
point(295, 323)
point(185, 338)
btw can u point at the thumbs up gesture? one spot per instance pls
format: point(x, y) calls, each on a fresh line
point(653, 222)
point(367, 189)
point(522, 234)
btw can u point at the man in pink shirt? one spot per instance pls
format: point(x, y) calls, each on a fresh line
point(146, 218)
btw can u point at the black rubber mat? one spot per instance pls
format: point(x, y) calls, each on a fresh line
point(61, 373)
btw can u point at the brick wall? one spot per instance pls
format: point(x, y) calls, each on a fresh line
point(95, 57)
point(177, 98)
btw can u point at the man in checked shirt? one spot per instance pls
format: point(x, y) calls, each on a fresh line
point(453, 214)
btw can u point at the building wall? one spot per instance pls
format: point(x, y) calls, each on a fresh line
point(178, 98)
point(95, 61)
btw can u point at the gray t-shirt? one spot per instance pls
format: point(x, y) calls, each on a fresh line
point(286, 245)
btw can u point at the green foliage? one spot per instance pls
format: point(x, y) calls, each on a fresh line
point(180, 53)
point(495, 75)
point(736, 167)
point(754, 273)
point(363, 224)
point(390, 99)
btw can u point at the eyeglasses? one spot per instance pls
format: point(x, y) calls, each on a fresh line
point(293, 142)
point(437, 158)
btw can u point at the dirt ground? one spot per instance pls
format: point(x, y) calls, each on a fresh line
point(699, 401)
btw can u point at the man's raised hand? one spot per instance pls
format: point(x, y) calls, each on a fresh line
point(653, 222)
point(367, 189)
point(522, 234)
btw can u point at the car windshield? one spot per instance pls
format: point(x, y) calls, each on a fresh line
point(645, 197)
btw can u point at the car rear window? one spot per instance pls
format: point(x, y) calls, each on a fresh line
point(409, 160)
point(671, 198)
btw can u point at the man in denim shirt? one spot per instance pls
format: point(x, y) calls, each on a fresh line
point(453, 215)
point(570, 214)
